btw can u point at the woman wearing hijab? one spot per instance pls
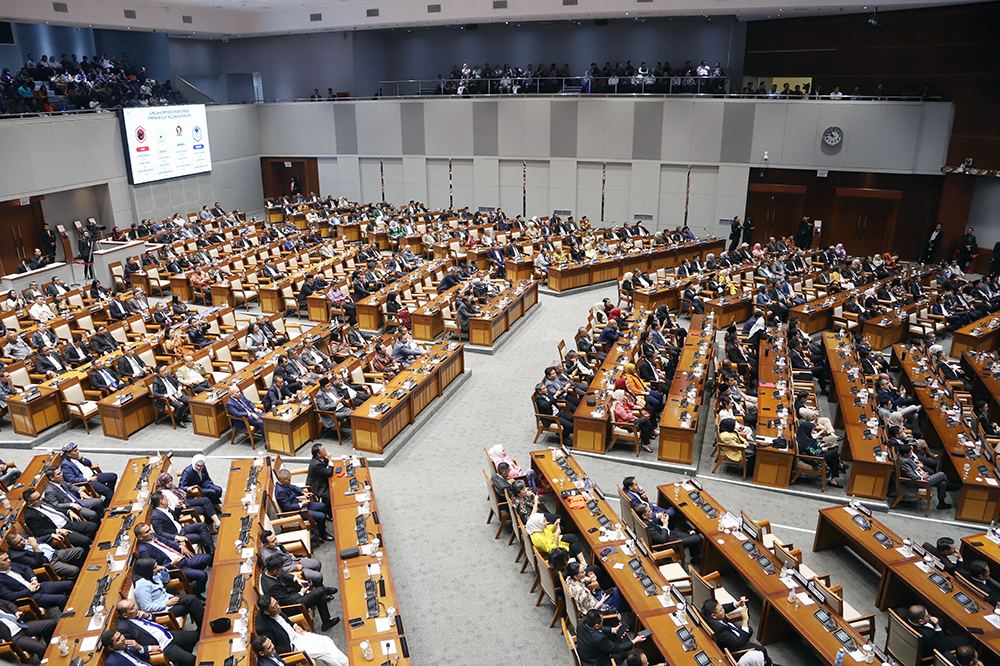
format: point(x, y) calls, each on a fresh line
point(634, 383)
point(823, 428)
point(179, 309)
point(628, 283)
point(196, 475)
point(14, 301)
point(809, 446)
point(600, 316)
point(151, 594)
point(546, 536)
point(907, 434)
point(726, 409)
point(177, 498)
point(498, 455)
point(758, 251)
point(621, 412)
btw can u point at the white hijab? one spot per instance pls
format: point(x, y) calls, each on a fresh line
point(536, 523)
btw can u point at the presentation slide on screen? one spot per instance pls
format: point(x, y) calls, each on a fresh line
point(166, 142)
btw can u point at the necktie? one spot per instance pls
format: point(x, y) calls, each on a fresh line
point(13, 618)
point(167, 548)
point(108, 380)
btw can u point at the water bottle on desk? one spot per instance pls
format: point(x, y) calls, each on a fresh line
point(839, 659)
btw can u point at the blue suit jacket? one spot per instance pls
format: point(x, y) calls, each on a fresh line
point(149, 550)
point(115, 659)
point(287, 497)
point(71, 472)
point(162, 527)
point(12, 590)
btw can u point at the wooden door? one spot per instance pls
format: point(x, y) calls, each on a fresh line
point(776, 209)
point(277, 172)
point(864, 220)
point(19, 232)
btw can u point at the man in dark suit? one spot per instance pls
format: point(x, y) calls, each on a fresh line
point(18, 581)
point(104, 378)
point(32, 636)
point(48, 360)
point(935, 637)
point(278, 394)
point(166, 527)
point(239, 406)
point(727, 634)
point(78, 352)
point(117, 310)
point(102, 341)
point(274, 625)
point(266, 653)
point(318, 478)
point(550, 411)
point(166, 389)
point(978, 573)
point(136, 625)
point(78, 469)
point(43, 336)
point(173, 555)
point(609, 336)
point(123, 651)
point(289, 372)
point(287, 591)
point(131, 367)
point(43, 521)
point(594, 642)
point(307, 289)
point(497, 261)
point(660, 532)
point(65, 496)
point(65, 562)
point(449, 280)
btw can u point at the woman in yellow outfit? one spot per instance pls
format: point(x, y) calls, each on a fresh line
point(548, 536)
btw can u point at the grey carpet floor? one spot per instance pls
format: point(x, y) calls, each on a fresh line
point(459, 590)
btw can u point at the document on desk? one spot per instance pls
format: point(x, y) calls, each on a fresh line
point(388, 648)
point(88, 643)
point(382, 624)
point(858, 655)
point(805, 599)
point(993, 619)
point(374, 569)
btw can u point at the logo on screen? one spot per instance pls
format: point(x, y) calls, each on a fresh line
point(160, 137)
point(179, 130)
point(196, 133)
point(140, 134)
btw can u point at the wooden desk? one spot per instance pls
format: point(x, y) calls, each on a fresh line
point(980, 336)
point(126, 493)
point(979, 501)
point(676, 442)
point(430, 375)
point(871, 475)
point(180, 286)
point(209, 417)
point(836, 528)
point(292, 427)
point(731, 309)
point(355, 655)
point(31, 417)
point(119, 420)
point(722, 551)
point(982, 547)
point(501, 312)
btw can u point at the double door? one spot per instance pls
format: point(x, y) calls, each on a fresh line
point(776, 210)
point(864, 220)
point(20, 230)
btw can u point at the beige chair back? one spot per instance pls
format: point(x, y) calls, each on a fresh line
point(903, 643)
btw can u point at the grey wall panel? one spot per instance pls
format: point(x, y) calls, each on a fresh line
point(463, 186)
point(591, 124)
point(537, 188)
point(768, 132)
point(438, 195)
point(589, 176)
point(511, 185)
point(511, 113)
point(932, 142)
point(801, 121)
point(865, 142)
point(647, 130)
point(346, 129)
point(619, 129)
point(737, 131)
point(484, 128)
point(536, 122)
point(329, 176)
point(371, 179)
point(411, 120)
point(617, 193)
point(902, 123)
point(677, 119)
point(563, 129)
point(673, 184)
point(706, 137)
point(393, 172)
point(983, 213)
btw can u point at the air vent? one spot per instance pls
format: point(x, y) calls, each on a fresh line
point(186, 19)
point(643, 0)
point(372, 13)
point(433, 9)
point(60, 7)
point(130, 13)
point(569, 2)
point(313, 18)
point(563, 213)
point(639, 217)
point(499, 4)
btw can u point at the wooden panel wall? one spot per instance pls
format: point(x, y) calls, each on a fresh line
point(918, 206)
point(953, 50)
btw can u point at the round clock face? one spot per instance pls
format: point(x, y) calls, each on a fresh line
point(833, 135)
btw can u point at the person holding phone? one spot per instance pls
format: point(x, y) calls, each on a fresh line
point(595, 643)
point(727, 634)
point(582, 585)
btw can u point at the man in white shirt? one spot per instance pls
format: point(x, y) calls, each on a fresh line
point(836, 94)
point(178, 646)
point(276, 626)
point(40, 311)
point(193, 375)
